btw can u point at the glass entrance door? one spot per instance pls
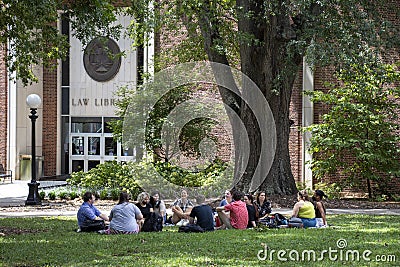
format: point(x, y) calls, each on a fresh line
point(90, 145)
point(85, 151)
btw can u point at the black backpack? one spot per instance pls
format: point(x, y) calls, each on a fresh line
point(191, 228)
point(280, 219)
point(153, 223)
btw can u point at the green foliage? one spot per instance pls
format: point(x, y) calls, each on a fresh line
point(103, 194)
point(185, 178)
point(52, 195)
point(146, 111)
point(332, 190)
point(358, 136)
point(42, 194)
point(109, 178)
point(105, 177)
point(73, 194)
point(63, 195)
point(300, 186)
point(56, 244)
point(114, 193)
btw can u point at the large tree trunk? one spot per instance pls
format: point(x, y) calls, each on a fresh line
point(264, 60)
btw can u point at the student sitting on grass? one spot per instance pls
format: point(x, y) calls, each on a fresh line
point(251, 210)
point(304, 210)
point(263, 207)
point(320, 211)
point(158, 205)
point(144, 206)
point(238, 216)
point(124, 217)
point(227, 198)
point(181, 209)
point(203, 214)
point(89, 216)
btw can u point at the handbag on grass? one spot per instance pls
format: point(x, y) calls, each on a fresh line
point(93, 225)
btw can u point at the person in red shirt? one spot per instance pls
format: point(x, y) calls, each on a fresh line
point(238, 216)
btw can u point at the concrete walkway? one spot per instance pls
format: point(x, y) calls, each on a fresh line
point(15, 194)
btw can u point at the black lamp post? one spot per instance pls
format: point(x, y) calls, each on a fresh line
point(33, 101)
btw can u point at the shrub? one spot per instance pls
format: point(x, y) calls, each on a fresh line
point(115, 193)
point(63, 195)
point(108, 175)
point(73, 195)
point(42, 194)
point(52, 195)
point(332, 190)
point(103, 194)
point(112, 177)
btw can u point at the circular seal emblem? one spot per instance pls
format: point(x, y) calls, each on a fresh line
point(101, 59)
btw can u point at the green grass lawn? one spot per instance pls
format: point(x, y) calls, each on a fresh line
point(54, 243)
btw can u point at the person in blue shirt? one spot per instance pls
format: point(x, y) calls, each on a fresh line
point(227, 198)
point(88, 212)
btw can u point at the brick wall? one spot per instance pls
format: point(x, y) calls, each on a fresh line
point(49, 145)
point(3, 108)
point(295, 135)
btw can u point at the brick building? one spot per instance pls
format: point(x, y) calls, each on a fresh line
point(77, 101)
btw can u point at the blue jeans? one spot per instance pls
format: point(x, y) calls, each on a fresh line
point(309, 222)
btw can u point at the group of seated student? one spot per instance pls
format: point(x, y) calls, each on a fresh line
point(255, 211)
point(128, 218)
point(125, 217)
point(232, 211)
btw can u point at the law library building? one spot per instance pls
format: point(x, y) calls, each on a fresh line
point(78, 100)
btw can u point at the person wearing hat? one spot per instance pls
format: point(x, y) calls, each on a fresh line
point(320, 211)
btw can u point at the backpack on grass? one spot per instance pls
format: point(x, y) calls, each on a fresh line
point(191, 228)
point(153, 223)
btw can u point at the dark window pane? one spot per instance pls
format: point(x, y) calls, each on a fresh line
point(78, 147)
point(77, 165)
point(65, 101)
point(86, 125)
point(110, 148)
point(92, 164)
point(64, 145)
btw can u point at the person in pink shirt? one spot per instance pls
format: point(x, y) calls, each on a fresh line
point(238, 216)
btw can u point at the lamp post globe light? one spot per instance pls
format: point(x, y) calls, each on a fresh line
point(33, 101)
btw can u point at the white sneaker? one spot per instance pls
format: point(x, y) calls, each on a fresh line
point(180, 223)
point(185, 222)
